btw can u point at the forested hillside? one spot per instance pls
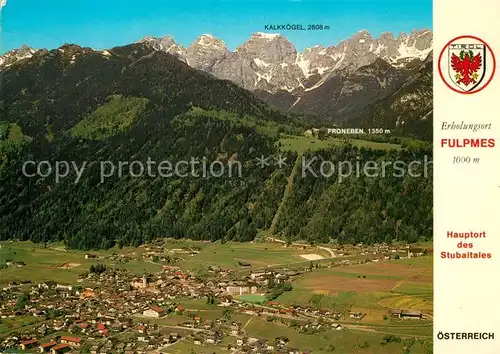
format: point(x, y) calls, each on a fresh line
point(362, 207)
point(133, 104)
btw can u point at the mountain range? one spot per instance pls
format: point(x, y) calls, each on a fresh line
point(339, 83)
point(134, 103)
point(271, 62)
point(342, 84)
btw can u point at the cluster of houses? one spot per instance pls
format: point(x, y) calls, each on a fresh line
point(381, 251)
point(95, 314)
point(156, 252)
point(58, 345)
point(103, 307)
point(310, 311)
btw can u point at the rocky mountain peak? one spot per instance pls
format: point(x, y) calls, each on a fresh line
point(362, 34)
point(72, 48)
point(271, 48)
point(165, 44)
point(266, 36)
point(161, 43)
point(270, 62)
point(208, 40)
point(15, 55)
point(205, 52)
point(24, 49)
point(387, 36)
point(402, 36)
point(421, 40)
point(314, 49)
point(421, 31)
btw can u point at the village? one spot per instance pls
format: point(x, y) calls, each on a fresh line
point(111, 310)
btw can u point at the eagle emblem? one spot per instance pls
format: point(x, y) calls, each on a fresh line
point(467, 65)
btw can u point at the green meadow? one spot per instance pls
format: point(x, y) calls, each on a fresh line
point(330, 341)
point(301, 144)
point(54, 262)
point(258, 255)
point(371, 288)
point(253, 298)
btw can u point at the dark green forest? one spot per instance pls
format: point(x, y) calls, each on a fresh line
point(364, 207)
point(135, 105)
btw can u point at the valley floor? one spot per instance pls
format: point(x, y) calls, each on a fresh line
point(218, 298)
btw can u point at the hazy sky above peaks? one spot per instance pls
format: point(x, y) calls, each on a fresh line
point(103, 24)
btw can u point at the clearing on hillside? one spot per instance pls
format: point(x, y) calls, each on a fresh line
point(301, 144)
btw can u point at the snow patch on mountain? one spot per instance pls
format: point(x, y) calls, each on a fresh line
point(268, 36)
point(296, 101)
point(210, 41)
point(271, 62)
point(406, 51)
point(267, 77)
point(271, 58)
point(318, 84)
point(303, 64)
point(322, 69)
point(261, 63)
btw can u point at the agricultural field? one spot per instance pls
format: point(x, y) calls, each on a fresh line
point(253, 298)
point(301, 144)
point(371, 288)
point(423, 303)
point(346, 341)
point(362, 341)
point(54, 262)
point(257, 255)
point(12, 324)
point(187, 346)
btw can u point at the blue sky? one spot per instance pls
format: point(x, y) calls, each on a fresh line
point(106, 23)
